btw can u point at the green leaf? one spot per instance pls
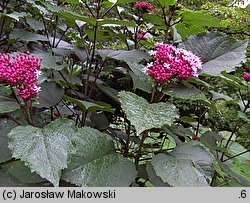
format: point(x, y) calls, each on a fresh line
point(165, 3)
point(177, 172)
point(110, 92)
point(34, 24)
point(7, 104)
point(26, 36)
point(64, 76)
point(102, 35)
point(7, 180)
point(115, 22)
point(236, 148)
point(189, 150)
point(49, 61)
point(231, 79)
point(46, 151)
point(210, 139)
point(186, 93)
point(218, 51)
point(51, 93)
point(140, 79)
point(242, 168)
point(140, 83)
point(22, 172)
point(130, 1)
point(81, 53)
point(197, 18)
point(69, 15)
point(145, 116)
point(5, 128)
point(232, 174)
point(96, 163)
point(184, 31)
point(154, 19)
point(15, 15)
point(217, 96)
point(99, 120)
point(154, 179)
point(89, 106)
point(75, 2)
point(123, 55)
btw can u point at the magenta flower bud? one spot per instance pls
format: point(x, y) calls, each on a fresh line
point(246, 76)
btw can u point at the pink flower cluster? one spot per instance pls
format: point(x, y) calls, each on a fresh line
point(21, 71)
point(246, 76)
point(141, 35)
point(171, 62)
point(144, 7)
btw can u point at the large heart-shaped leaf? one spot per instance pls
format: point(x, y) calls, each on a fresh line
point(96, 163)
point(46, 151)
point(145, 116)
point(177, 172)
point(218, 51)
point(189, 164)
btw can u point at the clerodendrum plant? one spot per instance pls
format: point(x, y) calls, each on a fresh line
point(121, 93)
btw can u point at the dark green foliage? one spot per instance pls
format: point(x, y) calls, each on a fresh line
point(100, 120)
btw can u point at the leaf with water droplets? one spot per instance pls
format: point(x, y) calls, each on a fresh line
point(145, 116)
point(96, 163)
point(177, 172)
point(46, 151)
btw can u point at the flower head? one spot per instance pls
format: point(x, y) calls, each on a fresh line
point(21, 71)
point(144, 7)
point(246, 76)
point(171, 62)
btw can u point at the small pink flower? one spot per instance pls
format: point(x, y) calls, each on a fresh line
point(144, 7)
point(246, 76)
point(21, 71)
point(196, 137)
point(171, 62)
point(141, 35)
point(90, 15)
